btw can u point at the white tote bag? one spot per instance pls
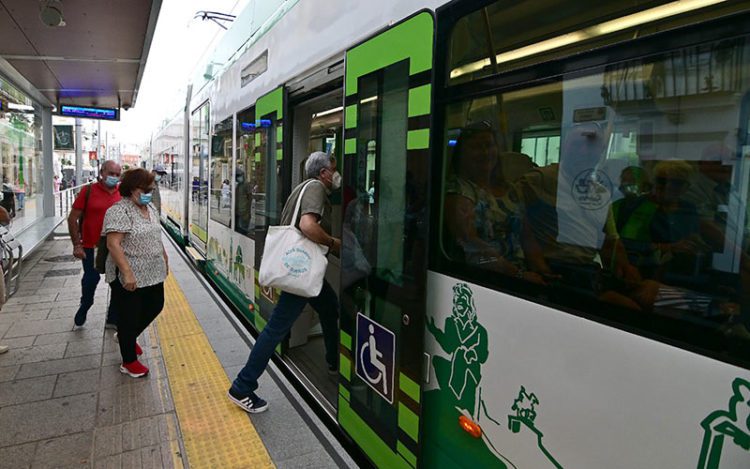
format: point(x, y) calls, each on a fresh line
point(292, 262)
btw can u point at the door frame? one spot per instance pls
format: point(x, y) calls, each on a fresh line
point(411, 39)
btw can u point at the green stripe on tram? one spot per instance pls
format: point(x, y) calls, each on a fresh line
point(344, 392)
point(408, 421)
point(350, 146)
point(346, 340)
point(380, 453)
point(257, 139)
point(418, 139)
point(409, 387)
point(351, 116)
point(270, 102)
point(408, 455)
point(345, 367)
point(279, 154)
point(419, 100)
point(279, 133)
point(411, 40)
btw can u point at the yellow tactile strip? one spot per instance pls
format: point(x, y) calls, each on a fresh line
point(216, 433)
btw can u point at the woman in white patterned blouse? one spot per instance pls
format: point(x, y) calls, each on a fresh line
point(136, 266)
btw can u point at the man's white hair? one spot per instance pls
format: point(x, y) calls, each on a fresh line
point(316, 162)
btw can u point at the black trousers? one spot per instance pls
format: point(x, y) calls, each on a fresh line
point(137, 309)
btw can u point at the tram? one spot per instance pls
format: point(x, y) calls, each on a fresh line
point(544, 217)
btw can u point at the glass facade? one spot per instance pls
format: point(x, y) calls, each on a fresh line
point(20, 156)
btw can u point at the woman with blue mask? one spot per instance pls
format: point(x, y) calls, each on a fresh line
point(137, 264)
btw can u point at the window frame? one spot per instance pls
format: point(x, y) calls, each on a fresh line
point(239, 156)
point(213, 135)
point(680, 334)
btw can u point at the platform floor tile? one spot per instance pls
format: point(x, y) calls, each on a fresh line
point(215, 432)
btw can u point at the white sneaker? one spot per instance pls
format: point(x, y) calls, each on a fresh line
point(4, 348)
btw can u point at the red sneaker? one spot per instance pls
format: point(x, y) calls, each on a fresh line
point(138, 349)
point(134, 369)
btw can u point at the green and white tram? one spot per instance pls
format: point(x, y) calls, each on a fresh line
point(544, 219)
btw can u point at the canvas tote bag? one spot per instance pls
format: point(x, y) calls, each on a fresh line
point(291, 261)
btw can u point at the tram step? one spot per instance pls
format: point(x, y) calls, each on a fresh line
point(195, 256)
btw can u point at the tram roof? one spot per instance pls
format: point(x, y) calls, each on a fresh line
point(96, 59)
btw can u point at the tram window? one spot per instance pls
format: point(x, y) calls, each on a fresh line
point(506, 35)
point(268, 197)
point(646, 208)
point(376, 216)
point(221, 172)
point(246, 174)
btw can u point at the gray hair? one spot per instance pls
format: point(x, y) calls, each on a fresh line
point(316, 162)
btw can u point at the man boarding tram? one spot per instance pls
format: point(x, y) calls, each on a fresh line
point(315, 224)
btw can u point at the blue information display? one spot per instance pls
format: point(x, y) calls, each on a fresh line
point(376, 356)
point(87, 112)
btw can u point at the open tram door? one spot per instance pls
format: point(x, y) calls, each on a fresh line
point(387, 134)
point(269, 188)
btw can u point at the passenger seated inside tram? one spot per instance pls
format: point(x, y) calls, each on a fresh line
point(675, 227)
point(633, 215)
point(482, 223)
point(660, 230)
point(569, 232)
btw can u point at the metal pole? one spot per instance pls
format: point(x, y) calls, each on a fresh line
point(98, 145)
point(48, 187)
point(79, 153)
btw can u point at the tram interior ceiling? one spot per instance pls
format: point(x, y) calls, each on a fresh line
point(86, 53)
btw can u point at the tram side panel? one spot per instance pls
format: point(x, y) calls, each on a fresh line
point(575, 365)
point(168, 150)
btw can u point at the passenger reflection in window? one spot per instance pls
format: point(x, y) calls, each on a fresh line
point(569, 231)
point(633, 214)
point(482, 223)
point(675, 225)
point(244, 203)
point(660, 230)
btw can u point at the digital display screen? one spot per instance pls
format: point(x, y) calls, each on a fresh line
point(86, 112)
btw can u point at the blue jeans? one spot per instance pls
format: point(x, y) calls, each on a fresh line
point(89, 281)
point(20, 196)
point(282, 318)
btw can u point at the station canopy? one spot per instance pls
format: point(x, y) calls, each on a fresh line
point(97, 58)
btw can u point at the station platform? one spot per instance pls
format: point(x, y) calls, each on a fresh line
point(64, 403)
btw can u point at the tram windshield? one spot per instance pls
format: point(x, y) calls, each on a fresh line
point(625, 185)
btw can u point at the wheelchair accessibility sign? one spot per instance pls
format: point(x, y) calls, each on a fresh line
point(376, 356)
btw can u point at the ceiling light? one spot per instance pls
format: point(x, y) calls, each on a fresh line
point(330, 111)
point(51, 13)
point(608, 27)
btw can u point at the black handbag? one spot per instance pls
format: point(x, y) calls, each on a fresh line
point(102, 251)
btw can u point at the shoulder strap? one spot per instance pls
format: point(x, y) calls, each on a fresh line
point(299, 202)
point(85, 205)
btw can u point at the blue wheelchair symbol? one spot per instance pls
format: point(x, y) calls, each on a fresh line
point(376, 356)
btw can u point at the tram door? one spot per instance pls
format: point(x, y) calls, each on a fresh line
point(199, 134)
point(269, 187)
point(383, 264)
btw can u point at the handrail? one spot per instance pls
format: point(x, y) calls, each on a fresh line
point(65, 199)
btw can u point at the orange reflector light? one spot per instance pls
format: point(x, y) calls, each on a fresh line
point(470, 427)
point(251, 307)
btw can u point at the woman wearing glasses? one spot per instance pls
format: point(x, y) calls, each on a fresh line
point(137, 264)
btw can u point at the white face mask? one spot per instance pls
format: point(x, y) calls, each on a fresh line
point(336, 181)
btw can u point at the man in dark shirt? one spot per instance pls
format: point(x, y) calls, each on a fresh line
point(85, 228)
